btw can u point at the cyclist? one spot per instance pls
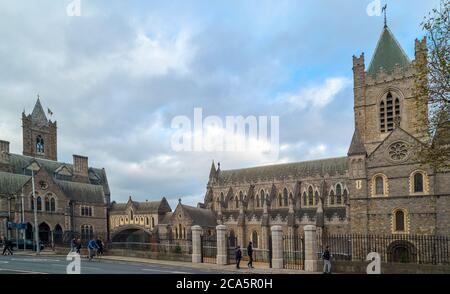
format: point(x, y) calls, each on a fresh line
point(92, 249)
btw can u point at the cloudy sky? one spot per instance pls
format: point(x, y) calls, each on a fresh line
point(117, 75)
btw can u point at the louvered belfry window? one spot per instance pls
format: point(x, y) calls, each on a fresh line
point(389, 112)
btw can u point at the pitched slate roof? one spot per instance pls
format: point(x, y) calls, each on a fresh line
point(200, 216)
point(387, 54)
point(147, 206)
point(11, 183)
point(82, 192)
point(357, 146)
point(331, 166)
point(76, 191)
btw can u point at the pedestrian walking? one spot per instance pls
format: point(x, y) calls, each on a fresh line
point(238, 256)
point(250, 254)
point(78, 246)
point(326, 256)
point(7, 246)
point(100, 245)
point(73, 245)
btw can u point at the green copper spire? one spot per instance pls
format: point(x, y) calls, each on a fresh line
point(387, 54)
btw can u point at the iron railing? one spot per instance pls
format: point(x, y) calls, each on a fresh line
point(293, 252)
point(394, 248)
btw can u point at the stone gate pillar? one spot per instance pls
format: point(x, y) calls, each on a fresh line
point(277, 247)
point(196, 244)
point(221, 231)
point(310, 248)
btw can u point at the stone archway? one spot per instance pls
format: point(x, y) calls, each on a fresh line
point(44, 233)
point(131, 234)
point(58, 234)
point(29, 232)
point(402, 251)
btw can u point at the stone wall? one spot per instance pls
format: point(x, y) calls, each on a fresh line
point(359, 267)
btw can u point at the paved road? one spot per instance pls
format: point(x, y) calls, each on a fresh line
point(22, 264)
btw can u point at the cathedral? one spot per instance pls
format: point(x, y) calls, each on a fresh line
point(70, 198)
point(380, 187)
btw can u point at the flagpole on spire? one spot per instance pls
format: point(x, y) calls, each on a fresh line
point(384, 9)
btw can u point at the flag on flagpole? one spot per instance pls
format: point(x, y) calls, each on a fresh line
point(49, 112)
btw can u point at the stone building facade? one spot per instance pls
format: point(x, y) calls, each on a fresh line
point(70, 198)
point(128, 221)
point(380, 187)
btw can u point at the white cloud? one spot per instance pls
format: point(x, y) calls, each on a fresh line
point(317, 151)
point(159, 55)
point(316, 96)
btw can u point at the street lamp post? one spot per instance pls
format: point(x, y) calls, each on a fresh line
point(23, 221)
point(36, 230)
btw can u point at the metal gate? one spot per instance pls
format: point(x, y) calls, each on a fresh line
point(293, 252)
point(209, 249)
point(231, 249)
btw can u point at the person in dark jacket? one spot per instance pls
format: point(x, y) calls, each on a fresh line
point(238, 256)
point(326, 256)
point(8, 246)
point(100, 246)
point(78, 247)
point(73, 245)
point(250, 254)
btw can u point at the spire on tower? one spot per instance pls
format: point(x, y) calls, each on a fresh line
point(38, 115)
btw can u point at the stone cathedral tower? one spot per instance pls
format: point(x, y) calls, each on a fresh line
point(384, 94)
point(39, 134)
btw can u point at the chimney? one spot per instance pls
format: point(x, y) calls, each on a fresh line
point(80, 168)
point(4, 153)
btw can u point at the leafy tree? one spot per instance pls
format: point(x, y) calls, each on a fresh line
point(432, 86)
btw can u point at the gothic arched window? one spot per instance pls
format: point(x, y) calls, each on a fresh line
point(379, 185)
point(345, 196)
point(47, 204)
point(418, 183)
point(39, 144)
point(389, 112)
point(338, 194)
point(310, 196)
point(87, 232)
point(39, 203)
point(332, 197)
point(399, 221)
point(316, 198)
point(285, 197)
point(52, 204)
point(304, 199)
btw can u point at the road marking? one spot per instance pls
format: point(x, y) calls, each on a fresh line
point(35, 259)
point(4, 261)
point(22, 271)
point(163, 271)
